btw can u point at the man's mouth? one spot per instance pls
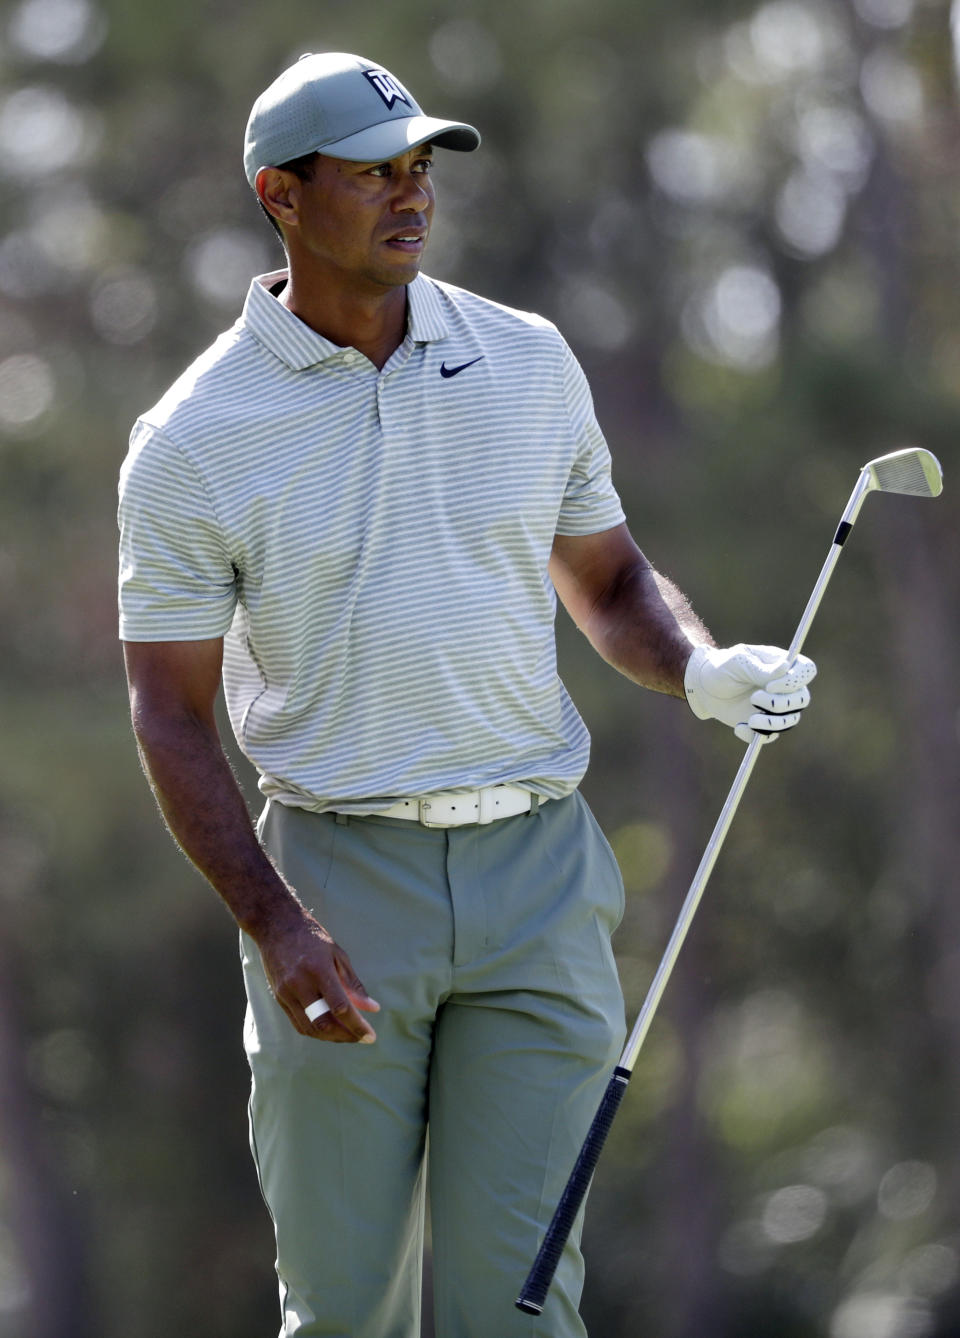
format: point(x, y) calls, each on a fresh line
point(408, 241)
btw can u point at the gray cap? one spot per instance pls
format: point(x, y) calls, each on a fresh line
point(343, 106)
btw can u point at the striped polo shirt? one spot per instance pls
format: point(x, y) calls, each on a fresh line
point(373, 545)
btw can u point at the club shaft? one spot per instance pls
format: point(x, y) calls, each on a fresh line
point(687, 911)
point(816, 595)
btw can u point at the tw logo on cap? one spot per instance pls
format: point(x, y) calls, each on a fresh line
point(388, 88)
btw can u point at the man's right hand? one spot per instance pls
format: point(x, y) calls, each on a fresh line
point(173, 687)
point(302, 964)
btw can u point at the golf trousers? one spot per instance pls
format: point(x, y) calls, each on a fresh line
point(488, 949)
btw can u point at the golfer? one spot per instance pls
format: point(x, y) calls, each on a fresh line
point(357, 509)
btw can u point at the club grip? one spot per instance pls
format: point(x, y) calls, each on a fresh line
point(534, 1292)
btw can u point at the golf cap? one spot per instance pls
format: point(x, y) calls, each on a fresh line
point(345, 107)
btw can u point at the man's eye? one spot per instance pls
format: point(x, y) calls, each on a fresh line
point(423, 165)
point(381, 170)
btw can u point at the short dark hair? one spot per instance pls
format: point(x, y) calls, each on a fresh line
point(300, 167)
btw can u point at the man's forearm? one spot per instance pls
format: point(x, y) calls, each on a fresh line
point(207, 816)
point(645, 627)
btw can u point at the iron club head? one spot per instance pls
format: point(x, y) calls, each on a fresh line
point(914, 472)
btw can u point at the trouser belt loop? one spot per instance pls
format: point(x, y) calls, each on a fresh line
point(534, 803)
point(343, 819)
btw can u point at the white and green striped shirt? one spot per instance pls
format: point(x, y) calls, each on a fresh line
point(373, 545)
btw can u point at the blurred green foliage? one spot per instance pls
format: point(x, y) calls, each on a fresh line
point(744, 217)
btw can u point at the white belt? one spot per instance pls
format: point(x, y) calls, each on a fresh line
point(472, 806)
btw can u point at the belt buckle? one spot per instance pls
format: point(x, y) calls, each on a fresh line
point(423, 808)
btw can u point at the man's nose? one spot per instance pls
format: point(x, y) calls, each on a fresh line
point(412, 194)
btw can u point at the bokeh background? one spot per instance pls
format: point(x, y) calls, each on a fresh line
point(744, 216)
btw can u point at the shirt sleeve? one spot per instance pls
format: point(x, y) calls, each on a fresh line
point(591, 503)
point(177, 581)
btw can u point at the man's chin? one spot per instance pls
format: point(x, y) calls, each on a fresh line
point(399, 275)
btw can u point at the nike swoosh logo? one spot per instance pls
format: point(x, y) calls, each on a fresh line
point(446, 371)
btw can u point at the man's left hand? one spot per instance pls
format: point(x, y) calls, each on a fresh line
point(754, 689)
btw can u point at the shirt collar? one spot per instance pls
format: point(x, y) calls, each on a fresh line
point(286, 336)
point(425, 315)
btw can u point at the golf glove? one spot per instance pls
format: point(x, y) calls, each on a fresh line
point(753, 689)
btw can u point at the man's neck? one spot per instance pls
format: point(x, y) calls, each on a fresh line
point(374, 323)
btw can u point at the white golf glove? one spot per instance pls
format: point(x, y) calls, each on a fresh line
point(753, 689)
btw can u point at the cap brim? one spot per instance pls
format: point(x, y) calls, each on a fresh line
point(389, 139)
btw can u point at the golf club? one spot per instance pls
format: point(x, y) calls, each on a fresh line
point(912, 472)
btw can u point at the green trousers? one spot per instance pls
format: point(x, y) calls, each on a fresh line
point(488, 949)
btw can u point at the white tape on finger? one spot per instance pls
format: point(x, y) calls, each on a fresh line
point(317, 1009)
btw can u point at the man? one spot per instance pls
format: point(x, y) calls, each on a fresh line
point(359, 505)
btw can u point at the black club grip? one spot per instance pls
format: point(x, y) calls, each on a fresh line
point(534, 1292)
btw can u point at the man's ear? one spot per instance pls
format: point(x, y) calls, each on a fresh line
point(279, 193)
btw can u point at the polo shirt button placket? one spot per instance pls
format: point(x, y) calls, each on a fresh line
point(381, 388)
